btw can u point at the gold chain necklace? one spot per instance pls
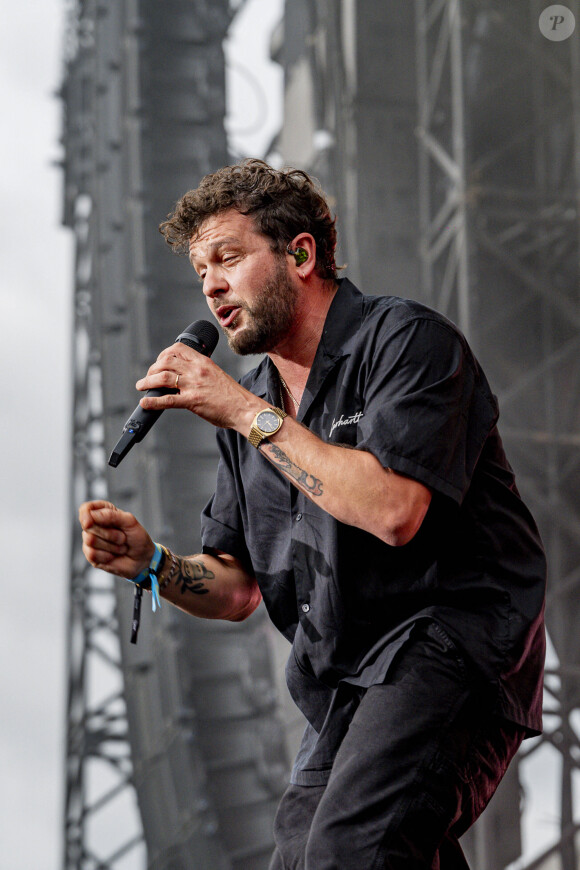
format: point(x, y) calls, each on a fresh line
point(285, 385)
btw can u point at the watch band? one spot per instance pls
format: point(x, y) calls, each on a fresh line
point(258, 435)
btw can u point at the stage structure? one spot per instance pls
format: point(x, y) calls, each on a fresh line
point(176, 755)
point(448, 132)
point(499, 138)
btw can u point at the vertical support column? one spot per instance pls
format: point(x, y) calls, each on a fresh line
point(99, 787)
point(442, 185)
point(506, 196)
point(102, 825)
point(188, 719)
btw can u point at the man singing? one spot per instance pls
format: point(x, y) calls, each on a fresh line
point(364, 495)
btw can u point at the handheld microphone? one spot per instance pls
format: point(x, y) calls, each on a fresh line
point(201, 336)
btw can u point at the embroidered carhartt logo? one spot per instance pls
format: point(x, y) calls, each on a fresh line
point(345, 421)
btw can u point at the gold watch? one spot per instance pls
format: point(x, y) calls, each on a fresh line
point(264, 424)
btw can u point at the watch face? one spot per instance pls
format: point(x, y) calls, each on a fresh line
point(268, 421)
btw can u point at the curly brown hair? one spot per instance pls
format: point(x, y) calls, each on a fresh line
point(281, 202)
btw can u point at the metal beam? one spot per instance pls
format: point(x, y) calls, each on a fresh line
point(513, 191)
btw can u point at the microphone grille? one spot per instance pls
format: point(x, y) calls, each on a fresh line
point(201, 332)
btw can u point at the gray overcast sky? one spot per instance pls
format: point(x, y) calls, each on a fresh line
point(35, 324)
point(34, 347)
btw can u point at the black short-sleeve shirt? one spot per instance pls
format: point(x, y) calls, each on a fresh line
point(397, 379)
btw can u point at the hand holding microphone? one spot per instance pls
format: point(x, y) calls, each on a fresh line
point(202, 336)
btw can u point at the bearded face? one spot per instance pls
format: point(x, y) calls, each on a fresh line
point(267, 318)
point(245, 281)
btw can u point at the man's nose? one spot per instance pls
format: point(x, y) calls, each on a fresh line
point(214, 282)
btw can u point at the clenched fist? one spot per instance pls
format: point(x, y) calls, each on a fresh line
point(114, 540)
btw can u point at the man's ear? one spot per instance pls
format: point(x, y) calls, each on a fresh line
point(303, 249)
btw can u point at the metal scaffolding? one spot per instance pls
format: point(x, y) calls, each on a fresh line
point(490, 204)
point(442, 170)
point(99, 768)
point(102, 823)
point(187, 720)
point(499, 141)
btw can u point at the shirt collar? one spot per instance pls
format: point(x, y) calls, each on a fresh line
point(340, 327)
point(342, 322)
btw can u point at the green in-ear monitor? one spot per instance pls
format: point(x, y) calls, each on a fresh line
point(299, 254)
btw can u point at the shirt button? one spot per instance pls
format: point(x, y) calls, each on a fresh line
point(305, 608)
point(298, 517)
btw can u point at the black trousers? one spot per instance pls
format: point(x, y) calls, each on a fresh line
point(421, 759)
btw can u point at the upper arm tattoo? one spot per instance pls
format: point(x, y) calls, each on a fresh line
point(305, 481)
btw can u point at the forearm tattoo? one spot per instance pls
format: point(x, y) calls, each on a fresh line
point(192, 575)
point(310, 484)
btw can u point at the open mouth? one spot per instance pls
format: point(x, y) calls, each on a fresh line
point(227, 314)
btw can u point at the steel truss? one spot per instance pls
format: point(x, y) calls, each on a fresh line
point(499, 145)
point(102, 824)
point(99, 784)
point(186, 723)
point(442, 179)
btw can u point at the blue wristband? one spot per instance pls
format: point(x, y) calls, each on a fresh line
point(150, 573)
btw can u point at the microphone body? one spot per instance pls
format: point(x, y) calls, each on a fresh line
point(201, 336)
